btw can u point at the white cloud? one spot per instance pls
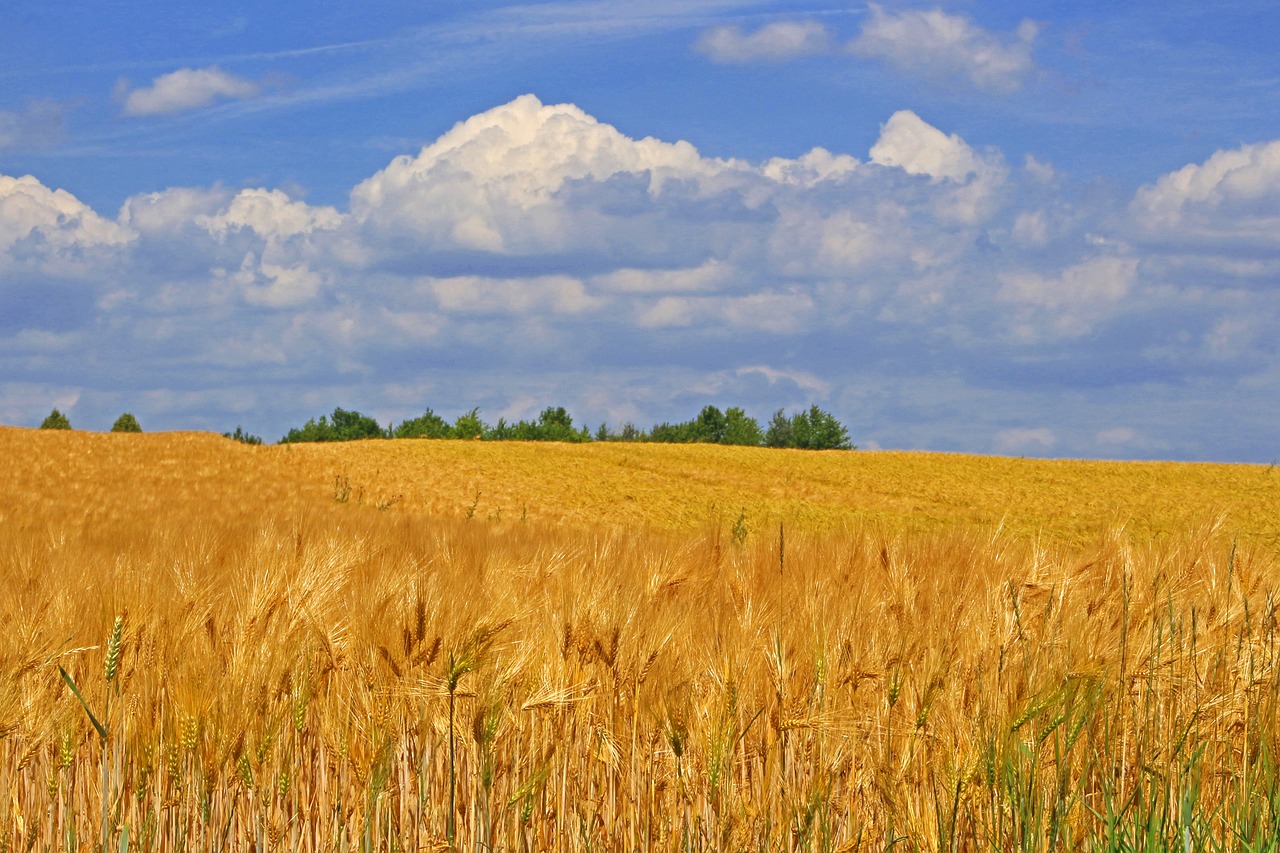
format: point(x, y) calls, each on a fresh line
point(801, 379)
point(910, 143)
point(1041, 171)
point(810, 169)
point(51, 222)
point(185, 89)
point(942, 46)
point(1019, 440)
point(919, 148)
point(38, 126)
point(271, 214)
point(171, 210)
point(516, 296)
point(493, 183)
point(1117, 435)
point(710, 276)
point(770, 311)
point(1230, 199)
point(774, 42)
point(270, 285)
point(1070, 304)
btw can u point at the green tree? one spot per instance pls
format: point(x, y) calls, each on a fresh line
point(555, 424)
point(126, 423)
point(814, 429)
point(344, 426)
point(822, 431)
point(741, 429)
point(665, 433)
point(243, 437)
point(427, 425)
point(781, 431)
point(56, 420)
point(469, 425)
point(351, 426)
point(709, 426)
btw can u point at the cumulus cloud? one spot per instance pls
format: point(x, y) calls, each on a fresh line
point(495, 182)
point(43, 225)
point(943, 46)
point(918, 148)
point(528, 179)
point(781, 40)
point(1233, 198)
point(185, 89)
point(271, 214)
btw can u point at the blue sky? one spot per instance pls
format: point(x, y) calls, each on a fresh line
point(1044, 229)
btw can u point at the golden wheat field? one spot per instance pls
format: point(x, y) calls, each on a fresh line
point(421, 645)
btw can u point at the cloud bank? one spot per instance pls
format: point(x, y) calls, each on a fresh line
point(927, 292)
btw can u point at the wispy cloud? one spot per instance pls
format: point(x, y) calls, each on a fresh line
point(39, 125)
point(185, 89)
point(781, 40)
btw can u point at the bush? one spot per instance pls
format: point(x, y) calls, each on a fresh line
point(344, 426)
point(56, 420)
point(126, 423)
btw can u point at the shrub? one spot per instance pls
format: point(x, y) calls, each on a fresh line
point(126, 423)
point(56, 420)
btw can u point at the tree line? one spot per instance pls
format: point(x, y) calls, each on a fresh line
point(807, 429)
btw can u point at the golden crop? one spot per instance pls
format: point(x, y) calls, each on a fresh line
point(417, 644)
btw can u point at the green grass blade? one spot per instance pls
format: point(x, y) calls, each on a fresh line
point(66, 676)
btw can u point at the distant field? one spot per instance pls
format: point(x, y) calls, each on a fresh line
point(669, 487)
point(420, 645)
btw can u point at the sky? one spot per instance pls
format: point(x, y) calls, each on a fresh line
point(1044, 229)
